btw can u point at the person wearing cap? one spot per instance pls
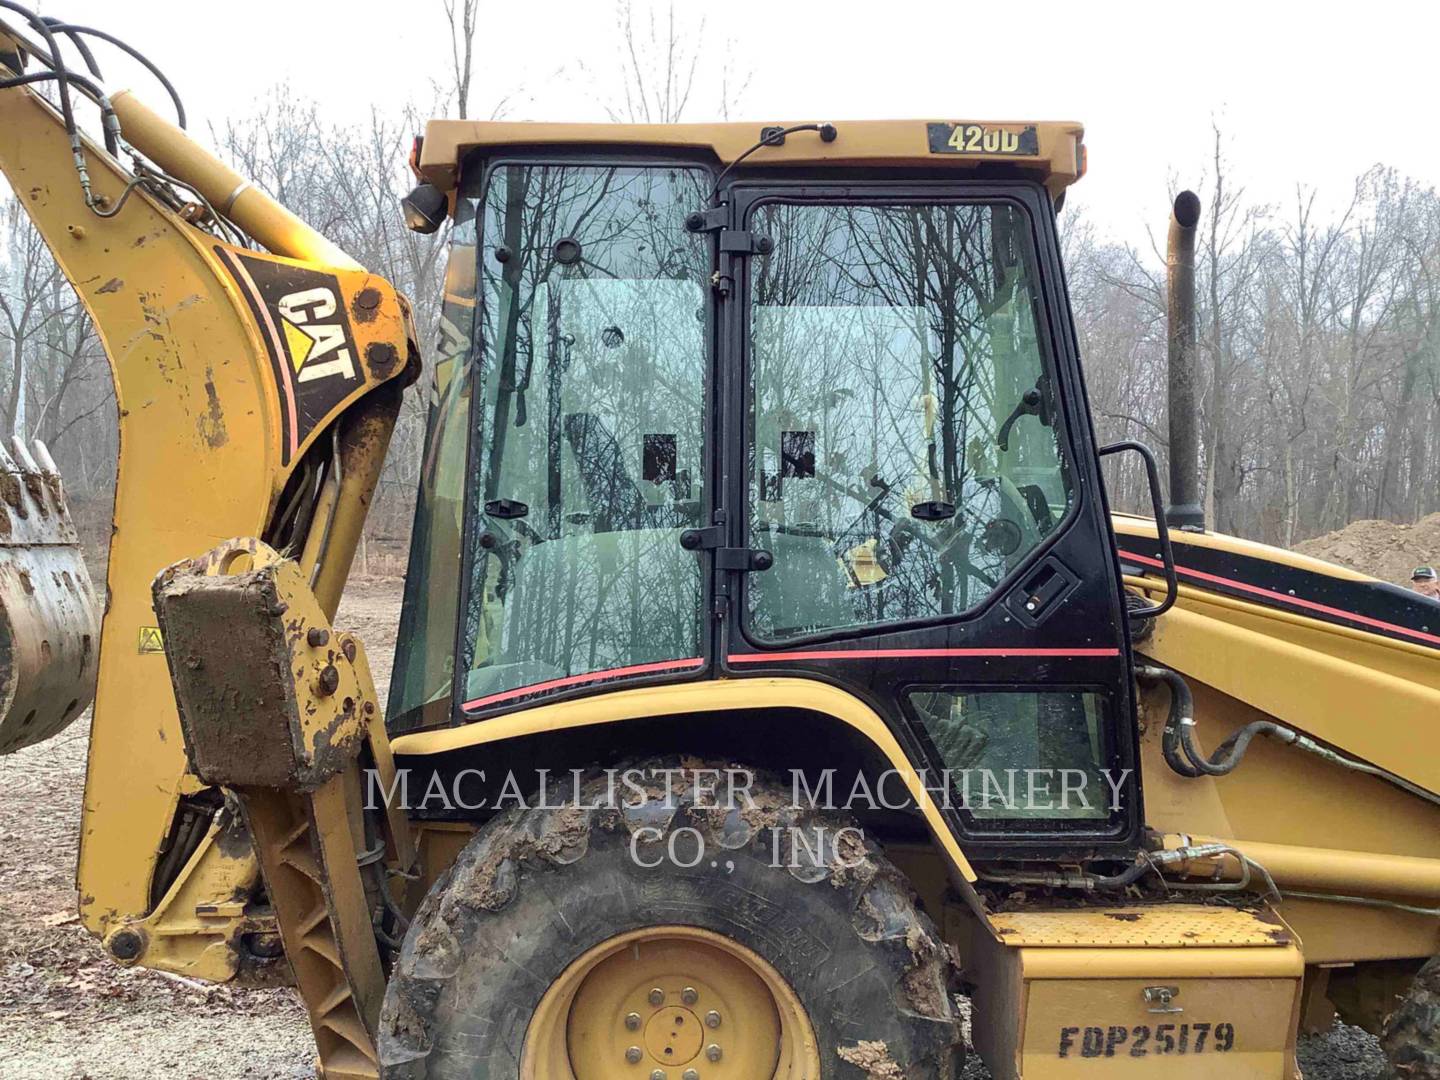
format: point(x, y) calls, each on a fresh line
point(1425, 581)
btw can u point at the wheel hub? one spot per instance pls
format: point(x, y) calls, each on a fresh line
point(673, 1003)
point(646, 1011)
point(673, 1036)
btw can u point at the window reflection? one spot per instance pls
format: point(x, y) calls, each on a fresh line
point(1017, 755)
point(903, 454)
point(589, 426)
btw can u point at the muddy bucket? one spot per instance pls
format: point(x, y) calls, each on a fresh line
point(49, 624)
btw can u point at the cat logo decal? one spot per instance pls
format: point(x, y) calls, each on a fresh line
point(301, 316)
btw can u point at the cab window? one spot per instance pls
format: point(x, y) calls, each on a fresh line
point(904, 456)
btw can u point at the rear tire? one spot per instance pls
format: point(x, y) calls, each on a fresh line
point(538, 889)
point(1411, 1037)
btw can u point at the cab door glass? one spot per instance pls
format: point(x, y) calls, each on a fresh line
point(424, 669)
point(588, 459)
point(904, 454)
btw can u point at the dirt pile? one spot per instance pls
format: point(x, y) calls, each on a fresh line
point(1383, 549)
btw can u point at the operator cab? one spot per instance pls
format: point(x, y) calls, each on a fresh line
point(714, 402)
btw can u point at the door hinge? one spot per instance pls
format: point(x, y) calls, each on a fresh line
point(737, 244)
point(732, 241)
point(733, 244)
point(744, 242)
point(744, 560)
point(711, 220)
point(712, 536)
point(741, 559)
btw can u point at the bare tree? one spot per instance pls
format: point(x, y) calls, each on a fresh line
point(461, 16)
point(665, 62)
point(1324, 341)
point(1232, 255)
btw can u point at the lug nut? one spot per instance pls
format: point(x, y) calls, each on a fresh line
point(657, 996)
point(632, 1055)
point(689, 996)
point(658, 1074)
point(632, 1022)
point(690, 1074)
point(712, 1019)
point(713, 1051)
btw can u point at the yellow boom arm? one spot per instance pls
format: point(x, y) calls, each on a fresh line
point(256, 394)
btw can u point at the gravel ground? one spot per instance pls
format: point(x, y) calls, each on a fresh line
point(1343, 1053)
point(68, 1013)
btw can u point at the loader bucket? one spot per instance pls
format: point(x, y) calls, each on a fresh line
point(49, 630)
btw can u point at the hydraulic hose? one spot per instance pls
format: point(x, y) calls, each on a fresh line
point(1228, 754)
point(73, 31)
point(1147, 862)
point(1184, 757)
point(1182, 713)
point(64, 78)
point(1178, 742)
point(62, 74)
point(75, 39)
point(1063, 879)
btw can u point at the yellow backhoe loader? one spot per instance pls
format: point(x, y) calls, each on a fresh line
point(772, 673)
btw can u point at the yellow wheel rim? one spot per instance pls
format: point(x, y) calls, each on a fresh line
point(671, 1002)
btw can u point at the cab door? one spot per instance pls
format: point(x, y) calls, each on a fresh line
point(912, 468)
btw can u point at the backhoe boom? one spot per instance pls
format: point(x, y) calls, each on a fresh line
point(256, 395)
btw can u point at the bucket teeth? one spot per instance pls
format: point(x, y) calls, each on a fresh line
point(22, 455)
point(38, 497)
point(42, 455)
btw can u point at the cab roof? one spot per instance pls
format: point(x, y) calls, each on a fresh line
point(1053, 152)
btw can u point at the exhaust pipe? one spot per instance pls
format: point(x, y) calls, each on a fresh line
point(1184, 511)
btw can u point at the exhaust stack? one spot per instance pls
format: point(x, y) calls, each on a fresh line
point(1184, 511)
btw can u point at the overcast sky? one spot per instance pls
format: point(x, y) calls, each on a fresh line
point(1306, 92)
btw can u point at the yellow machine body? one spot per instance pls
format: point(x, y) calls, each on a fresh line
point(1058, 161)
point(1175, 990)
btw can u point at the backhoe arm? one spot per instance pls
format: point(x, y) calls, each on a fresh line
point(256, 393)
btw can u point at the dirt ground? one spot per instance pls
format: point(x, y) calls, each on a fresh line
point(67, 1012)
point(1383, 549)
